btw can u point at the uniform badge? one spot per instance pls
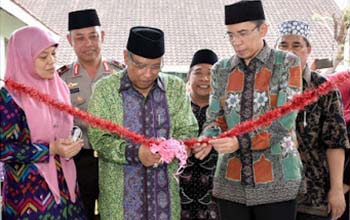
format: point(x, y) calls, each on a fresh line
point(76, 70)
point(62, 69)
point(73, 87)
point(74, 90)
point(106, 67)
point(95, 154)
point(118, 64)
point(80, 100)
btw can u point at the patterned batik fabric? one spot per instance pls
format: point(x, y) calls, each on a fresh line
point(246, 113)
point(26, 194)
point(196, 182)
point(128, 190)
point(294, 27)
point(146, 194)
point(320, 126)
point(200, 114)
point(267, 163)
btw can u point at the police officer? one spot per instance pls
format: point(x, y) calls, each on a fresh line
point(86, 38)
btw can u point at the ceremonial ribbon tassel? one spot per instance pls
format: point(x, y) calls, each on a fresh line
point(298, 102)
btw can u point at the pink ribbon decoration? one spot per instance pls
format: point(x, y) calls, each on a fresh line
point(170, 149)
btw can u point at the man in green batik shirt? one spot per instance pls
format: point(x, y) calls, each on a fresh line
point(133, 184)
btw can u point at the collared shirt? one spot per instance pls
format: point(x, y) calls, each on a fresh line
point(196, 182)
point(148, 116)
point(200, 113)
point(267, 162)
point(127, 84)
point(128, 190)
point(263, 57)
point(320, 126)
point(81, 86)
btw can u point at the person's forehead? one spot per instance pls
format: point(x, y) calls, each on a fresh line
point(241, 26)
point(86, 30)
point(292, 38)
point(49, 49)
point(201, 66)
point(146, 60)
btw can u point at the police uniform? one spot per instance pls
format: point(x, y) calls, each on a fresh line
point(80, 86)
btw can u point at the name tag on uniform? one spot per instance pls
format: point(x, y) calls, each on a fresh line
point(74, 90)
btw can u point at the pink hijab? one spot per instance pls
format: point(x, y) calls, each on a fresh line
point(45, 124)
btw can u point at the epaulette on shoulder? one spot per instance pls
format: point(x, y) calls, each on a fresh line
point(118, 64)
point(63, 69)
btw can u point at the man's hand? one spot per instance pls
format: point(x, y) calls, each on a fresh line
point(225, 145)
point(201, 150)
point(346, 188)
point(188, 151)
point(336, 203)
point(148, 158)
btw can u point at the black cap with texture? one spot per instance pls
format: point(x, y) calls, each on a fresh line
point(83, 19)
point(204, 56)
point(243, 11)
point(147, 42)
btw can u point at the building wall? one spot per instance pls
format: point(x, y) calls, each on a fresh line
point(8, 24)
point(347, 50)
point(13, 16)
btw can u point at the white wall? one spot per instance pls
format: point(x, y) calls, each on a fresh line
point(12, 17)
point(8, 24)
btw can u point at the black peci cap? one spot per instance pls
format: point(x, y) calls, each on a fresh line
point(204, 56)
point(146, 42)
point(243, 11)
point(83, 19)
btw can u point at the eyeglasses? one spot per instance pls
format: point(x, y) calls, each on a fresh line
point(142, 66)
point(240, 34)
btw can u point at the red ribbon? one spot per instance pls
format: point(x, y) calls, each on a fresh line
point(298, 102)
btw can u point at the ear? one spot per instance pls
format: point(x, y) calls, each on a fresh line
point(69, 39)
point(126, 57)
point(309, 50)
point(102, 36)
point(188, 87)
point(263, 29)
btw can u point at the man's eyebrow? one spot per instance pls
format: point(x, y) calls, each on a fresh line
point(242, 30)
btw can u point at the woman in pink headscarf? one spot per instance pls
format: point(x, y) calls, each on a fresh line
point(35, 139)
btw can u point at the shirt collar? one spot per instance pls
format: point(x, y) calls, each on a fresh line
point(100, 71)
point(125, 82)
point(195, 104)
point(263, 56)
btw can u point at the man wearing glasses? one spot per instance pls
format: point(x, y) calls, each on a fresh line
point(258, 174)
point(134, 184)
point(321, 132)
point(86, 38)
